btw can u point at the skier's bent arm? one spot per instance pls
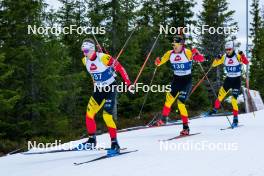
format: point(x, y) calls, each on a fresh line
point(110, 61)
point(164, 58)
point(189, 54)
point(196, 55)
point(218, 61)
point(243, 58)
point(120, 69)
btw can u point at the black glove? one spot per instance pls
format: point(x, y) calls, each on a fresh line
point(218, 56)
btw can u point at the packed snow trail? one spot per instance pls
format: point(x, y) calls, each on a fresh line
point(247, 160)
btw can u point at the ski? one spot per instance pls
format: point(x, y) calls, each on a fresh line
point(205, 115)
point(147, 126)
point(221, 114)
point(104, 157)
point(180, 136)
point(14, 151)
point(59, 151)
point(67, 150)
point(230, 128)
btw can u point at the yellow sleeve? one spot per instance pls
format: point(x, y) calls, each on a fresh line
point(218, 62)
point(188, 54)
point(105, 59)
point(83, 61)
point(165, 58)
point(239, 58)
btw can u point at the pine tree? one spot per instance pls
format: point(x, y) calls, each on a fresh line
point(76, 83)
point(181, 12)
point(215, 14)
point(19, 47)
point(9, 96)
point(153, 14)
point(32, 74)
point(257, 33)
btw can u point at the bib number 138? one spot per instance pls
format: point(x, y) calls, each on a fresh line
point(179, 66)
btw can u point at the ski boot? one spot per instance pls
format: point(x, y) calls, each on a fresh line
point(115, 148)
point(211, 112)
point(89, 144)
point(185, 131)
point(235, 122)
point(162, 121)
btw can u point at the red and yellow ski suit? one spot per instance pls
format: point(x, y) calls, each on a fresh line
point(233, 66)
point(182, 80)
point(101, 66)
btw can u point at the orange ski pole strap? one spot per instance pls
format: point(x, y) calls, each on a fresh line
point(144, 64)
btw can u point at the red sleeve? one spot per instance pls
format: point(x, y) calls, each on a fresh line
point(197, 56)
point(244, 59)
point(120, 69)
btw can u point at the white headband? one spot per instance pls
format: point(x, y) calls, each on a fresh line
point(88, 46)
point(229, 45)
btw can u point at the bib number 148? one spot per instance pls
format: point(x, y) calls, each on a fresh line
point(231, 69)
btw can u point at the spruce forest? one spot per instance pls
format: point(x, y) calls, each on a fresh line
point(45, 88)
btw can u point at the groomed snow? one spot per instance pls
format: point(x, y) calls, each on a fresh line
point(245, 157)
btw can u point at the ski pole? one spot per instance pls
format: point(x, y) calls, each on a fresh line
point(154, 119)
point(146, 96)
point(250, 98)
point(214, 93)
point(122, 49)
point(126, 42)
point(98, 44)
point(144, 64)
point(201, 80)
point(249, 95)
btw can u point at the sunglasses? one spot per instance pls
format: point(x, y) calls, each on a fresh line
point(176, 43)
point(228, 49)
point(85, 50)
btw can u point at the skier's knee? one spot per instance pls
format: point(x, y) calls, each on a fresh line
point(182, 96)
point(169, 99)
point(222, 94)
point(109, 106)
point(108, 118)
point(235, 93)
point(93, 107)
point(234, 103)
point(182, 107)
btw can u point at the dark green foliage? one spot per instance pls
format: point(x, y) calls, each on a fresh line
point(257, 33)
point(215, 14)
point(45, 88)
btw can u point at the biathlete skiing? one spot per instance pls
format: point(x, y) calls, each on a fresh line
point(102, 68)
point(181, 60)
point(233, 65)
